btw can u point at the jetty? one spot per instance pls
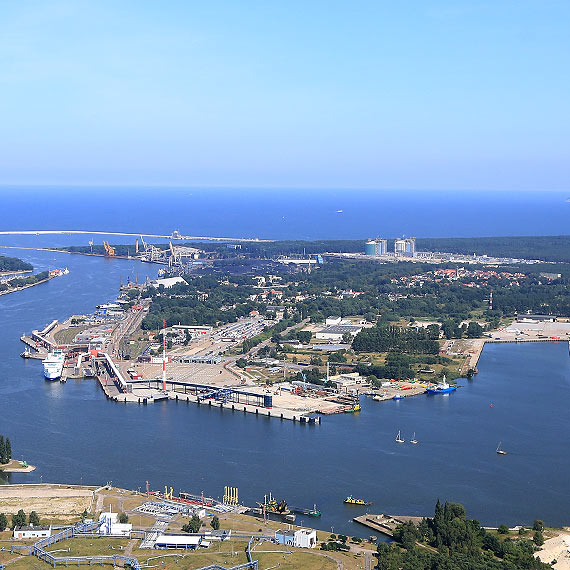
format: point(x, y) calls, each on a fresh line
point(386, 524)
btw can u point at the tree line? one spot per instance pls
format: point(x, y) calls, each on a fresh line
point(389, 338)
point(14, 264)
point(22, 281)
point(455, 543)
point(19, 519)
point(5, 450)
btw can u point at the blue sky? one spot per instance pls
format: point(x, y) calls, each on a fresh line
point(407, 94)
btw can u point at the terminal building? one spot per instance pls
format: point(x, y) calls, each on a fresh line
point(376, 247)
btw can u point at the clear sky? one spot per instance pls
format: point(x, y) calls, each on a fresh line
point(381, 94)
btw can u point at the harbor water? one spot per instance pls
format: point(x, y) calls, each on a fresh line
point(521, 397)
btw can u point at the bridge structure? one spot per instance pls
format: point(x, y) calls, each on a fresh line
point(174, 235)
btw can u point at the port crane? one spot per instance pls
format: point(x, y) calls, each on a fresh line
point(109, 250)
point(151, 252)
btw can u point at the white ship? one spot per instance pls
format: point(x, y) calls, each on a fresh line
point(53, 365)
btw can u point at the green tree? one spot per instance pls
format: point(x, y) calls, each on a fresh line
point(123, 518)
point(19, 519)
point(34, 519)
point(474, 330)
point(538, 525)
point(193, 524)
point(215, 524)
point(503, 529)
point(241, 362)
point(316, 360)
point(538, 538)
point(337, 356)
point(304, 336)
point(3, 522)
point(8, 447)
point(2, 450)
point(347, 338)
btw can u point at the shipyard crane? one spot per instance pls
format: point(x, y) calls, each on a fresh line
point(109, 250)
point(151, 253)
point(175, 258)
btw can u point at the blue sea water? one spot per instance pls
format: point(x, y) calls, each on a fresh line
point(284, 213)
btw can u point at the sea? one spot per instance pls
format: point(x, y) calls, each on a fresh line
point(292, 214)
point(521, 395)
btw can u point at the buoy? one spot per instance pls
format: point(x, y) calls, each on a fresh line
point(491, 406)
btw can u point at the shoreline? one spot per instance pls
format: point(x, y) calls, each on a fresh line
point(15, 290)
point(16, 466)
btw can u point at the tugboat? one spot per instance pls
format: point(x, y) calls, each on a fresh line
point(350, 500)
point(442, 388)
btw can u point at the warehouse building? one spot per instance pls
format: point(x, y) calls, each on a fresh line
point(335, 333)
point(24, 532)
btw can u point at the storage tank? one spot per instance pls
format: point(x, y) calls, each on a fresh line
point(370, 247)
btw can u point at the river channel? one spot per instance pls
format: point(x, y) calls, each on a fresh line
point(521, 397)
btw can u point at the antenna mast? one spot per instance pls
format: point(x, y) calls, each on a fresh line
point(164, 355)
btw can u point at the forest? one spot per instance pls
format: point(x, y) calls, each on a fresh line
point(388, 338)
point(455, 300)
point(202, 301)
point(13, 264)
point(452, 542)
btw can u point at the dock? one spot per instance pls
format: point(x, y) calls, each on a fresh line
point(386, 524)
point(391, 392)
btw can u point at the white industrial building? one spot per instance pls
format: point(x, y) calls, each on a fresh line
point(24, 532)
point(335, 333)
point(178, 541)
point(333, 320)
point(168, 282)
point(112, 527)
point(347, 382)
point(300, 538)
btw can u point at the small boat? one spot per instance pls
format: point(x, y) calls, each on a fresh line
point(501, 451)
point(397, 397)
point(442, 388)
point(399, 438)
point(414, 440)
point(350, 500)
point(354, 408)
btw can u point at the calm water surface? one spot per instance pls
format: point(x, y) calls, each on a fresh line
point(73, 434)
